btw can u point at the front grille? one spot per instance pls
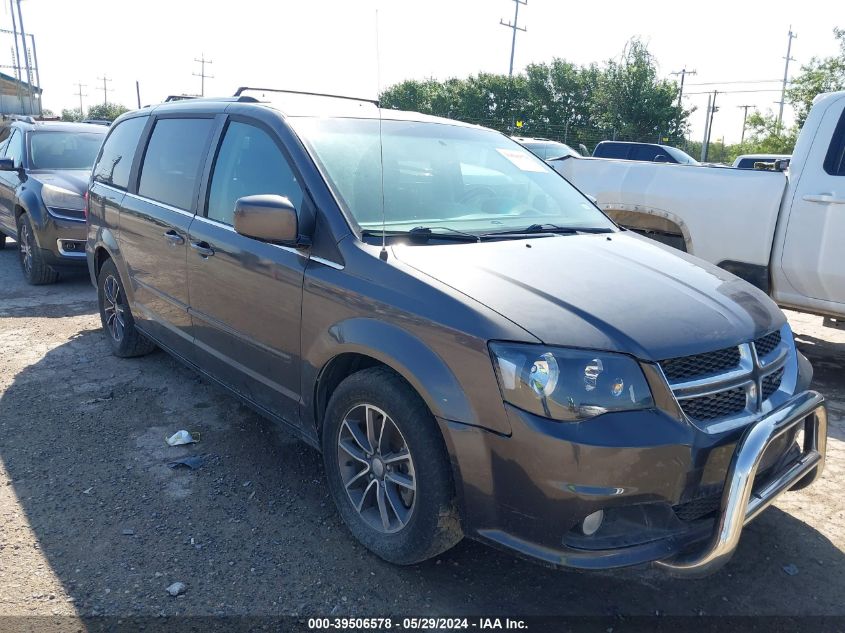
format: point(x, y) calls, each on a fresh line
point(766, 344)
point(722, 404)
point(689, 367)
point(771, 383)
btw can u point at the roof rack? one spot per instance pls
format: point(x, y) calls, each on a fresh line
point(239, 92)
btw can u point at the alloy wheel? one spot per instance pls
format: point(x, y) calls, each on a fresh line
point(112, 308)
point(376, 468)
point(26, 247)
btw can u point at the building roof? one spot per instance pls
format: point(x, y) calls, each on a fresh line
point(5, 77)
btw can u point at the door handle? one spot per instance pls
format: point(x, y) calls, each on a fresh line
point(174, 238)
point(203, 248)
point(823, 198)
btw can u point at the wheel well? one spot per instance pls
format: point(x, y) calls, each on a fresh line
point(100, 257)
point(336, 371)
point(19, 211)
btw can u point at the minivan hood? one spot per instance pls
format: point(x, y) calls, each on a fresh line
point(618, 292)
point(75, 180)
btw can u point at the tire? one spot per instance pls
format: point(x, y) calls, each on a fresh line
point(35, 270)
point(431, 521)
point(118, 324)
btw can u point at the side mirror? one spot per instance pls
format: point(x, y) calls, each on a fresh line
point(782, 164)
point(270, 218)
point(7, 164)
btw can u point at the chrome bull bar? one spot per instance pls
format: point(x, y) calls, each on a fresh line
point(742, 501)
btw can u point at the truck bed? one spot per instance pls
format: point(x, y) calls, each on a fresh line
point(673, 203)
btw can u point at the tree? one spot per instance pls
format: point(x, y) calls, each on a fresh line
point(107, 111)
point(818, 76)
point(576, 104)
point(71, 114)
point(763, 136)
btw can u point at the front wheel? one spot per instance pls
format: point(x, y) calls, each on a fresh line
point(119, 325)
point(387, 468)
point(35, 270)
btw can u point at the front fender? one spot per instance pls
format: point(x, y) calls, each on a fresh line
point(406, 354)
point(29, 201)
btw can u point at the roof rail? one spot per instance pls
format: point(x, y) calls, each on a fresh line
point(239, 92)
point(26, 118)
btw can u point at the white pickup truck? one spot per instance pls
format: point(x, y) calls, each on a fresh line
point(784, 231)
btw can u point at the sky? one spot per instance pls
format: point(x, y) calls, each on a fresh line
point(331, 45)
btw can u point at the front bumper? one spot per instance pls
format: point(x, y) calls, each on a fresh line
point(528, 492)
point(743, 497)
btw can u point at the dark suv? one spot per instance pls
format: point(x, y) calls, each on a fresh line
point(476, 349)
point(649, 152)
point(44, 171)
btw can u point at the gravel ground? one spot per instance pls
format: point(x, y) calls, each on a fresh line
point(92, 520)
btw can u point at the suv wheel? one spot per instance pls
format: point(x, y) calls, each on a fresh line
point(35, 269)
point(387, 468)
point(125, 339)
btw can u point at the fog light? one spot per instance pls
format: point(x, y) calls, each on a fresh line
point(592, 523)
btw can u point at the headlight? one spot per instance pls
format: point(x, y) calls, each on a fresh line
point(569, 384)
point(60, 198)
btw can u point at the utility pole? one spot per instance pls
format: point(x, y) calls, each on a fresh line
point(17, 54)
point(706, 130)
point(138, 92)
point(514, 27)
point(37, 75)
point(713, 110)
point(26, 58)
point(202, 61)
point(80, 94)
point(105, 79)
point(744, 119)
point(788, 58)
point(683, 73)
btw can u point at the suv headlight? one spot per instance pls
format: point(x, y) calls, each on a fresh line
point(60, 198)
point(569, 384)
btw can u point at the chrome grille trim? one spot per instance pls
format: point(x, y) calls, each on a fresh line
point(761, 377)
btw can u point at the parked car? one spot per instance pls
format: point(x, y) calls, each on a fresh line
point(782, 231)
point(44, 169)
point(546, 149)
point(474, 347)
point(649, 152)
point(750, 161)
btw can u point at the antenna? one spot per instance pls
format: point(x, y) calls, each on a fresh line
point(383, 254)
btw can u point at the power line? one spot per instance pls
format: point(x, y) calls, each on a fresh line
point(106, 90)
point(788, 58)
point(735, 92)
point(737, 81)
point(683, 73)
point(80, 94)
point(514, 27)
point(202, 61)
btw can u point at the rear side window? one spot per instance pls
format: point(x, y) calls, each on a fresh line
point(834, 162)
point(118, 151)
point(173, 159)
point(611, 150)
point(249, 163)
point(646, 152)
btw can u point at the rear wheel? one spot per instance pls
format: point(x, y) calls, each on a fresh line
point(119, 325)
point(387, 468)
point(35, 270)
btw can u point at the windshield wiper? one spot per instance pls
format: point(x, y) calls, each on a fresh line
point(551, 228)
point(425, 233)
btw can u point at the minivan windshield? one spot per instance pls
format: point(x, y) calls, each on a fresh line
point(443, 177)
point(64, 150)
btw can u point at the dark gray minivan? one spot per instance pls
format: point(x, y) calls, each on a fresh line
point(474, 347)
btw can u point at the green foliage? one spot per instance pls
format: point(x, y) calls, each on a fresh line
point(818, 76)
point(107, 111)
point(71, 114)
point(575, 104)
